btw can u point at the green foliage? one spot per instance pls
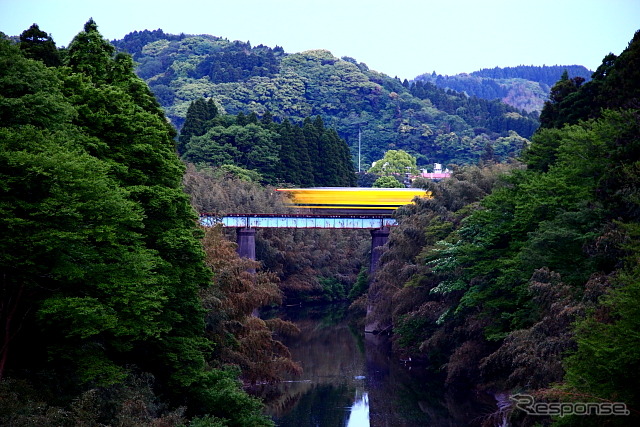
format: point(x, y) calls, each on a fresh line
point(494, 283)
point(31, 93)
point(332, 289)
point(394, 162)
point(410, 331)
point(278, 152)
point(614, 86)
point(543, 220)
point(67, 187)
point(523, 87)
point(350, 98)
point(90, 54)
point(604, 364)
point(238, 173)
point(36, 44)
point(387, 182)
point(219, 393)
point(487, 105)
point(199, 115)
point(132, 402)
point(360, 286)
point(565, 88)
point(100, 254)
point(542, 152)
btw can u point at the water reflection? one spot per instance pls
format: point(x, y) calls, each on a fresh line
point(359, 416)
point(352, 380)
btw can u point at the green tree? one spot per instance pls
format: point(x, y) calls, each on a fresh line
point(140, 145)
point(216, 147)
point(36, 44)
point(560, 92)
point(79, 226)
point(395, 162)
point(258, 149)
point(250, 146)
point(101, 260)
point(334, 164)
point(312, 132)
point(294, 165)
point(91, 270)
point(90, 54)
point(387, 182)
point(543, 151)
point(198, 120)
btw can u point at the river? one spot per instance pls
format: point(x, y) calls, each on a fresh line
point(351, 379)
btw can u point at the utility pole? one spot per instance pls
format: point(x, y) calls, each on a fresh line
point(359, 141)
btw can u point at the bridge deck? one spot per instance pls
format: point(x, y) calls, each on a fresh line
point(299, 221)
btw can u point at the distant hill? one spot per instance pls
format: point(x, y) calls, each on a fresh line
point(524, 87)
point(435, 125)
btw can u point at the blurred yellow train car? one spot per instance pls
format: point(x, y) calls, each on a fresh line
point(351, 200)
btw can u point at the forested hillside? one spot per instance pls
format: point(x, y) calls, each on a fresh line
point(523, 87)
point(116, 308)
point(270, 152)
point(527, 280)
point(109, 312)
point(436, 127)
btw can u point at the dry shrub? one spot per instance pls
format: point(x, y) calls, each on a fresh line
point(236, 294)
point(463, 366)
point(533, 357)
point(359, 306)
point(130, 404)
point(298, 257)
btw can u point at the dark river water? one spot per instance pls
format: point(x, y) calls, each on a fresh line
point(351, 379)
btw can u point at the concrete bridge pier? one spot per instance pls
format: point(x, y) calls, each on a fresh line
point(378, 238)
point(246, 239)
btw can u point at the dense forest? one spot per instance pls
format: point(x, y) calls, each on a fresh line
point(524, 87)
point(266, 151)
point(110, 313)
point(525, 277)
point(521, 274)
point(364, 106)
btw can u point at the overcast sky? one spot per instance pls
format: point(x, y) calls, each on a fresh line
point(401, 38)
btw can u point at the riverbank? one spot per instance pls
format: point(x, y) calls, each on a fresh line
point(352, 379)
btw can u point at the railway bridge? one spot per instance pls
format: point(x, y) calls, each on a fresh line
point(247, 224)
point(329, 208)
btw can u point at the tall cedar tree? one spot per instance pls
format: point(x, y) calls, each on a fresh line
point(101, 262)
point(199, 114)
point(311, 155)
point(36, 44)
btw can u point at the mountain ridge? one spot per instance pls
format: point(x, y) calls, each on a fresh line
point(525, 87)
point(435, 125)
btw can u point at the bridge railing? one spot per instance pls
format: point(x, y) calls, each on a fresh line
point(298, 221)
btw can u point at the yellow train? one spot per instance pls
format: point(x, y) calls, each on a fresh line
point(351, 200)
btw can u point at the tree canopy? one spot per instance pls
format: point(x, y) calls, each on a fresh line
point(522, 280)
point(381, 112)
point(101, 260)
point(395, 162)
point(525, 87)
point(308, 154)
